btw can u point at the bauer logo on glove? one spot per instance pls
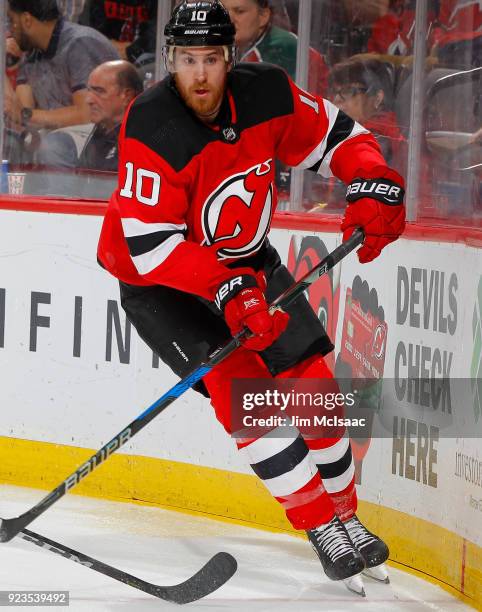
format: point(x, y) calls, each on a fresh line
point(385, 191)
point(227, 288)
point(376, 205)
point(243, 303)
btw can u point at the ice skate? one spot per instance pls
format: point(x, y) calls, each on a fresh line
point(373, 550)
point(338, 556)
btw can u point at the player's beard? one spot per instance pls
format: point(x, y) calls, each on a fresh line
point(206, 107)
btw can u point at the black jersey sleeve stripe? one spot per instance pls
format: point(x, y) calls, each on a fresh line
point(140, 245)
point(282, 462)
point(342, 128)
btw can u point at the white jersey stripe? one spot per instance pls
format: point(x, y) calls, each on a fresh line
point(147, 262)
point(320, 151)
point(325, 168)
point(133, 227)
point(331, 113)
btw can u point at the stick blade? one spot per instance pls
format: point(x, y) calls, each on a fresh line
point(216, 572)
point(9, 528)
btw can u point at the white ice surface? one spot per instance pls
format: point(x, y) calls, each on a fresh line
point(276, 571)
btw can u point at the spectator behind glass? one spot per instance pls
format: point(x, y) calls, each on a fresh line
point(363, 89)
point(393, 32)
point(13, 55)
point(129, 24)
point(259, 40)
point(111, 88)
point(459, 34)
point(52, 79)
point(454, 35)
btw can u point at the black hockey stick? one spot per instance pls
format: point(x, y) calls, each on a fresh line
point(9, 528)
point(210, 577)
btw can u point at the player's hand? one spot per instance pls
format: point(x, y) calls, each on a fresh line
point(375, 205)
point(12, 47)
point(242, 300)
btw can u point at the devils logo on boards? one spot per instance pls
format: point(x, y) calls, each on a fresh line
point(324, 295)
point(237, 215)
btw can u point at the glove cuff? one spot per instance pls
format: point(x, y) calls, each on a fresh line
point(231, 287)
point(382, 189)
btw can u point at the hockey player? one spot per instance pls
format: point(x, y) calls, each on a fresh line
point(186, 235)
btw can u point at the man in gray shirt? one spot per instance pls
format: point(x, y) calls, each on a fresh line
point(51, 90)
point(51, 85)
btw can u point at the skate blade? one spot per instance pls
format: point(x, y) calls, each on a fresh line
point(378, 573)
point(355, 585)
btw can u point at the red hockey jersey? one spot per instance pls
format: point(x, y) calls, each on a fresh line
point(460, 19)
point(192, 198)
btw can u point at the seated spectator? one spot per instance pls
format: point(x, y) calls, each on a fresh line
point(13, 56)
point(362, 88)
point(129, 24)
point(51, 84)
point(259, 40)
point(393, 32)
point(51, 87)
point(111, 88)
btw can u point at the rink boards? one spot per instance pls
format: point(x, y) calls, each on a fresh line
point(73, 375)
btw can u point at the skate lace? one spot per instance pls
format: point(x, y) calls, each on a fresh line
point(334, 541)
point(359, 535)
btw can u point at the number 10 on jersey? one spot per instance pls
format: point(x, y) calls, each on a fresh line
point(154, 181)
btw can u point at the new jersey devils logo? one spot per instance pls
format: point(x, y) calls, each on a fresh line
point(237, 215)
point(379, 341)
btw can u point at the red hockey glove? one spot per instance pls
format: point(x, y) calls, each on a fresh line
point(376, 205)
point(244, 305)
